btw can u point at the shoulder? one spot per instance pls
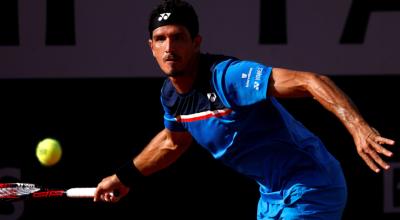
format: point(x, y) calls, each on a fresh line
point(213, 61)
point(167, 87)
point(232, 71)
point(223, 64)
point(168, 93)
point(241, 82)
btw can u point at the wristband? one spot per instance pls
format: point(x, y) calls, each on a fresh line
point(129, 175)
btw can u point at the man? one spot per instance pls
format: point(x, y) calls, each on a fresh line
point(229, 107)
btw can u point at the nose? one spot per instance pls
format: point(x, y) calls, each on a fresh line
point(169, 45)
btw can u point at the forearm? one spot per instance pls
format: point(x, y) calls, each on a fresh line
point(288, 83)
point(163, 149)
point(336, 101)
point(160, 152)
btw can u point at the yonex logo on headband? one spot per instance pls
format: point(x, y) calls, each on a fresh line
point(164, 16)
point(174, 12)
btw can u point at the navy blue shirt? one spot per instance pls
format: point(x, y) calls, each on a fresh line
point(229, 113)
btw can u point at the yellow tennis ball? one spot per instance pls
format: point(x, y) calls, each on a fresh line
point(48, 152)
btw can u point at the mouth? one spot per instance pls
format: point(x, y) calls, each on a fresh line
point(171, 58)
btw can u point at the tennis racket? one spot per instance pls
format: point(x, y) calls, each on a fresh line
point(24, 191)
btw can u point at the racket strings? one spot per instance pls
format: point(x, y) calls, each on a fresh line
point(8, 192)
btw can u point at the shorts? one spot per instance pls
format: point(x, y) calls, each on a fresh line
point(304, 203)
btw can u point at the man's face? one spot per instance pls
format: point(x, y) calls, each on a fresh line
point(174, 49)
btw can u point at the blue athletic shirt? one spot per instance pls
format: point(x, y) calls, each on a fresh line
point(229, 113)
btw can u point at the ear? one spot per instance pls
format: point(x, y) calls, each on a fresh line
point(197, 42)
point(150, 42)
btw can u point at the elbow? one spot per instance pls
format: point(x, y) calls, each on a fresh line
point(324, 78)
point(317, 85)
point(321, 78)
point(175, 146)
point(317, 80)
point(314, 77)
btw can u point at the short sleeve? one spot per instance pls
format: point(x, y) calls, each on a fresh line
point(241, 83)
point(168, 99)
point(172, 124)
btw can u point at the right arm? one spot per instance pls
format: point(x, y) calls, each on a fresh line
point(164, 149)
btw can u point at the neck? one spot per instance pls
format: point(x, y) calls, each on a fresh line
point(184, 83)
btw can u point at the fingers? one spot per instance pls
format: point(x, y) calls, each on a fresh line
point(369, 162)
point(382, 140)
point(97, 194)
point(109, 197)
point(106, 197)
point(377, 141)
point(370, 152)
point(102, 192)
point(372, 159)
point(110, 189)
point(377, 147)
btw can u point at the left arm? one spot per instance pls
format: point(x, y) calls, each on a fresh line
point(286, 83)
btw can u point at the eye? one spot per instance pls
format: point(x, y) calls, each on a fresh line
point(180, 37)
point(158, 38)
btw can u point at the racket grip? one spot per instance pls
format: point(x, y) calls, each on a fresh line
point(86, 192)
point(81, 192)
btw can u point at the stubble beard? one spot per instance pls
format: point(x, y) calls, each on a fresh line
point(176, 74)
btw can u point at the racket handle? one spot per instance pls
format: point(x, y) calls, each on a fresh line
point(81, 192)
point(85, 192)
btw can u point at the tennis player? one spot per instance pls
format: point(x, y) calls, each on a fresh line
point(229, 106)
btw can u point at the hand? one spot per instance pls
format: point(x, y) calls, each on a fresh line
point(106, 188)
point(369, 145)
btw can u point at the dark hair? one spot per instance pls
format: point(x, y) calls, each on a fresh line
point(174, 12)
